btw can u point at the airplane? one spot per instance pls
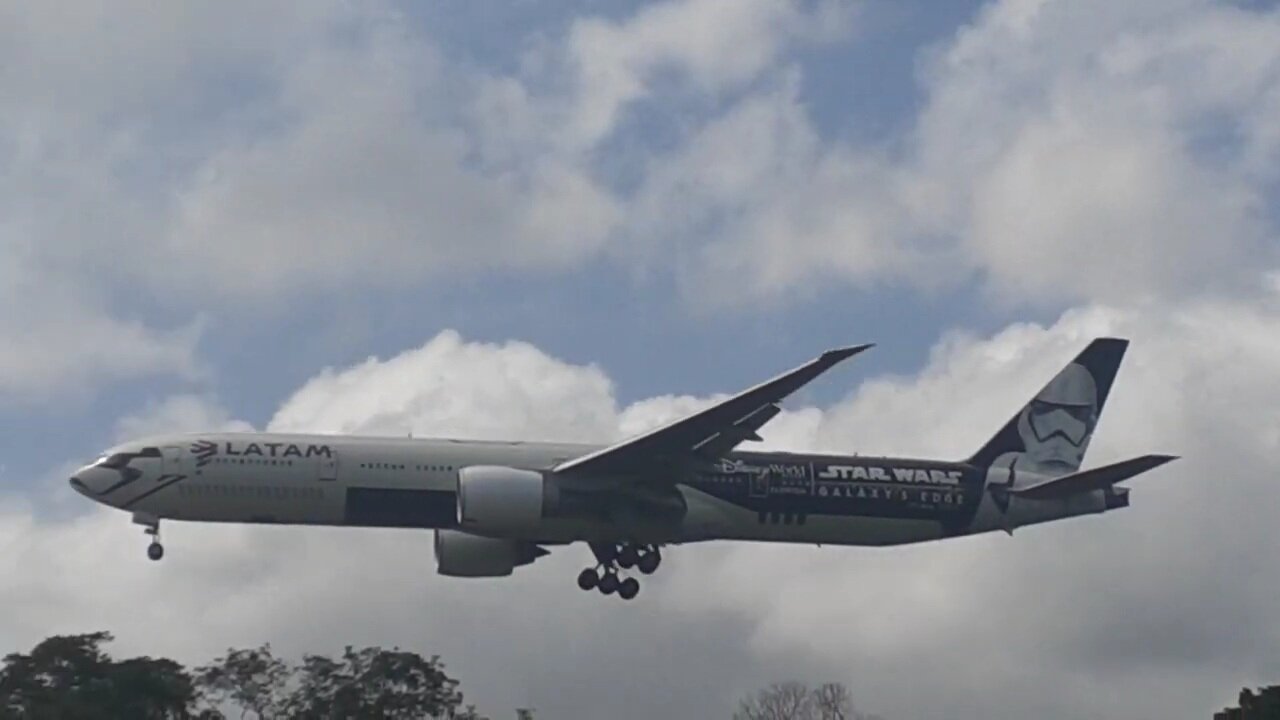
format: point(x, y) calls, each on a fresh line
point(496, 506)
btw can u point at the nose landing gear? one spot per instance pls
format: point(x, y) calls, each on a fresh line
point(155, 550)
point(612, 559)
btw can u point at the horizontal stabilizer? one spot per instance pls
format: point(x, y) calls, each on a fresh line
point(1089, 480)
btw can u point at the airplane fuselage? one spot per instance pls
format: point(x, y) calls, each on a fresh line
point(496, 506)
point(413, 483)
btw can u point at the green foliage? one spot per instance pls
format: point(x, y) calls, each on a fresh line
point(1262, 705)
point(376, 683)
point(253, 680)
point(72, 678)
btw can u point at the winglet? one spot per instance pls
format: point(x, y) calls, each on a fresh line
point(1095, 479)
point(835, 355)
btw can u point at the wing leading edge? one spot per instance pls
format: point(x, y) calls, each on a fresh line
point(710, 433)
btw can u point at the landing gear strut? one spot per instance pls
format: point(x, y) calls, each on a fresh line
point(155, 550)
point(611, 560)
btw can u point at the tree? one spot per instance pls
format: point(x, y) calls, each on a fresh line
point(377, 683)
point(255, 680)
point(70, 676)
point(367, 683)
point(1262, 705)
point(780, 701)
point(794, 700)
point(831, 702)
point(152, 690)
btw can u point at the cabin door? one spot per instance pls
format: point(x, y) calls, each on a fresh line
point(329, 466)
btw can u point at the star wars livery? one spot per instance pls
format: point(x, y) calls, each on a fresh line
point(496, 506)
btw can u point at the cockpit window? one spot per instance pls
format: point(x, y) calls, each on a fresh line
point(115, 461)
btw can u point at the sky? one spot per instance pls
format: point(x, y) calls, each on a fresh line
point(576, 220)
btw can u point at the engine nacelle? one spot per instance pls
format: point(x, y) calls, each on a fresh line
point(501, 500)
point(460, 554)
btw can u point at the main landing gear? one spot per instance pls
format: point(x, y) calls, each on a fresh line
point(155, 550)
point(611, 560)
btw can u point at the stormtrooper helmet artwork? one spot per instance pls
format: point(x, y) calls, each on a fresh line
point(1055, 426)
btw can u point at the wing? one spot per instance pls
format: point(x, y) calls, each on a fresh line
point(708, 434)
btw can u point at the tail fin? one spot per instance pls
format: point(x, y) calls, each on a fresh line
point(1050, 434)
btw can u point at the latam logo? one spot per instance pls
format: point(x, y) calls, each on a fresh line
point(205, 450)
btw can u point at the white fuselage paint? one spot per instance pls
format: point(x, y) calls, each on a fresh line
point(286, 479)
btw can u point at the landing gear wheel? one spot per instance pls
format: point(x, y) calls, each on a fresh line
point(608, 584)
point(649, 562)
point(628, 557)
point(155, 550)
point(588, 579)
point(629, 588)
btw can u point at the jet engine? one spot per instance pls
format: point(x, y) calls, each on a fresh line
point(502, 500)
point(460, 554)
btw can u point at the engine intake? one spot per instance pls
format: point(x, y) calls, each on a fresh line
point(460, 554)
point(502, 500)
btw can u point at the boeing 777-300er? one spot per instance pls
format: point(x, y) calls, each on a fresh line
point(495, 506)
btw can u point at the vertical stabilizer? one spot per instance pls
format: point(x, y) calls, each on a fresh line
point(1050, 434)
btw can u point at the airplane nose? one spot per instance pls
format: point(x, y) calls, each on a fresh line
point(95, 482)
point(79, 485)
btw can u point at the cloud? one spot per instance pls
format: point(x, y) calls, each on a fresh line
point(371, 152)
point(1081, 161)
point(215, 155)
point(94, 100)
point(451, 386)
point(445, 171)
point(714, 45)
point(57, 341)
point(131, 56)
point(1062, 153)
point(783, 211)
point(1154, 599)
point(179, 414)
